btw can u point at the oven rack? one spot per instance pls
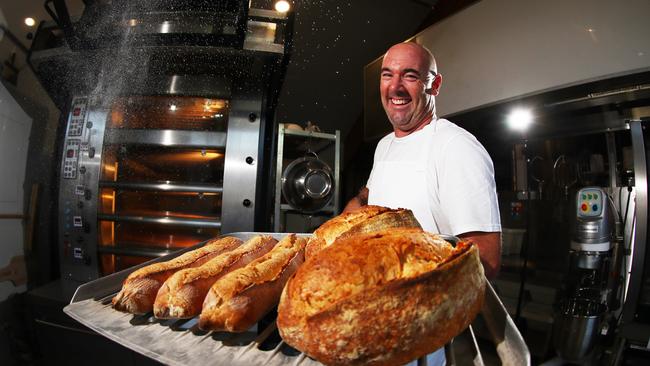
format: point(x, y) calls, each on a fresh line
point(180, 342)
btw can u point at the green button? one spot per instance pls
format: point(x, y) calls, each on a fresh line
point(584, 196)
point(589, 195)
point(595, 196)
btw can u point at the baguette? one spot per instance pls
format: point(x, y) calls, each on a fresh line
point(182, 295)
point(139, 290)
point(241, 298)
point(384, 298)
point(366, 219)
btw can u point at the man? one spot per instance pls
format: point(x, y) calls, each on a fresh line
point(429, 165)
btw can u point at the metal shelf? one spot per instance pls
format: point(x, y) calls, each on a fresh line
point(163, 187)
point(136, 250)
point(166, 220)
point(282, 208)
point(286, 207)
point(169, 138)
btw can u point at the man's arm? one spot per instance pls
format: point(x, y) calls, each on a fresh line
point(489, 245)
point(361, 199)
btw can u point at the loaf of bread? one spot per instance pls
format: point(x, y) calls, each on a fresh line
point(238, 300)
point(363, 220)
point(141, 286)
point(384, 298)
point(182, 295)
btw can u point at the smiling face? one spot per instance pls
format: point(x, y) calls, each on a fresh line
point(408, 85)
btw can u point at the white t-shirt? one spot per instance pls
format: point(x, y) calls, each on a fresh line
point(445, 176)
point(441, 173)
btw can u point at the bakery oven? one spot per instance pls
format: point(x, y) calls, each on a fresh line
point(155, 195)
point(167, 126)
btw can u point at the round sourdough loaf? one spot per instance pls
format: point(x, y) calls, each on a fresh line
point(383, 298)
point(363, 220)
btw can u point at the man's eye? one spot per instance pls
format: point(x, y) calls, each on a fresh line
point(386, 75)
point(411, 77)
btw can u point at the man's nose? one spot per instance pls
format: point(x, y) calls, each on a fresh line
point(395, 83)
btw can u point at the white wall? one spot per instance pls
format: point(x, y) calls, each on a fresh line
point(499, 49)
point(15, 126)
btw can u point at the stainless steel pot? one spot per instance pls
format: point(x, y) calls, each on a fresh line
point(308, 184)
point(576, 327)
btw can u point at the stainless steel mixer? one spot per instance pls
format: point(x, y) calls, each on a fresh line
point(579, 317)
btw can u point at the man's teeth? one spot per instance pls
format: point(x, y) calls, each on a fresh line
point(399, 101)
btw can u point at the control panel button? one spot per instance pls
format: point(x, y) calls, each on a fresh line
point(77, 253)
point(76, 221)
point(584, 207)
point(594, 207)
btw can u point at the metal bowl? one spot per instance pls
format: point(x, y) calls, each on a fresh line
point(576, 328)
point(308, 184)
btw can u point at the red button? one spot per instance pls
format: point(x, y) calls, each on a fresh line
point(584, 207)
point(76, 111)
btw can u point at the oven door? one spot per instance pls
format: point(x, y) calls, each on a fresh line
point(161, 177)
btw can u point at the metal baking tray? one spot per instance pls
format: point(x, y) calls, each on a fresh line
point(180, 342)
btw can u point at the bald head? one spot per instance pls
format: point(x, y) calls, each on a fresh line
point(408, 86)
point(418, 53)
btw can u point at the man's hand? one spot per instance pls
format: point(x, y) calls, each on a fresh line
point(489, 245)
point(361, 199)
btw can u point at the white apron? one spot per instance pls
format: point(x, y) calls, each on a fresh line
point(404, 185)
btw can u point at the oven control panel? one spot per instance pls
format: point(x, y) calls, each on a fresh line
point(78, 186)
point(77, 117)
point(71, 159)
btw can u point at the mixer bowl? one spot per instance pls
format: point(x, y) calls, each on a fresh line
point(576, 327)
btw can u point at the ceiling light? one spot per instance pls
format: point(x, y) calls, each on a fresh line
point(282, 6)
point(173, 107)
point(29, 21)
point(520, 119)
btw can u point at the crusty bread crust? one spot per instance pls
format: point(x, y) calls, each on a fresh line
point(366, 219)
point(141, 286)
point(384, 298)
point(241, 298)
point(182, 295)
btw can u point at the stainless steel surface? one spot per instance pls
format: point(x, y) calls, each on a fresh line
point(163, 187)
point(610, 138)
point(589, 260)
point(78, 193)
point(181, 343)
point(592, 233)
point(240, 177)
point(307, 184)
point(169, 138)
point(338, 152)
point(166, 220)
point(277, 204)
point(641, 220)
point(137, 251)
point(576, 328)
point(281, 208)
point(209, 86)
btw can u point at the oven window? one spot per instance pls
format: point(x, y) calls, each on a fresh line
point(161, 179)
point(134, 163)
point(165, 112)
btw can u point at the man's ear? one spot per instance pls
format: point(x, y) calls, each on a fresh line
point(435, 85)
